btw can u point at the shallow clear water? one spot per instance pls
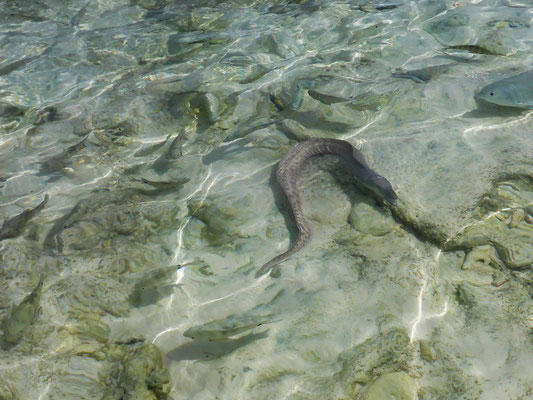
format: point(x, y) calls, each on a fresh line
point(154, 128)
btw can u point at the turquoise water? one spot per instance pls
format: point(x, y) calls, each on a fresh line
point(154, 128)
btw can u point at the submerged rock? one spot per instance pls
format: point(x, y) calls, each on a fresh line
point(113, 371)
point(8, 110)
point(22, 317)
point(389, 350)
point(425, 351)
point(370, 220)
point(7, 391)
point(96, 222)
point(143, 376)
point(503, 225)
point(92, 328)
point(392, 386)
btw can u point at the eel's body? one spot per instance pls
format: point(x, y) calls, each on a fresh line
point(288, 173)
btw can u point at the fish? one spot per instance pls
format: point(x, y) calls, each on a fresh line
point(79, 15)
point(211, 350)
point(288, 172)
point(149, 149)
point(174, 151)
point(473, 48)
point(53, 239)
point(15, 65)
point(153, 286)
point(161, 187)
point(256, 73)
point(13, 227)
point(423, 75)
point(165, 185)
point(515, 91)
point(58, 162)
point(8, 68)
point(232, 325)
point(367, 8)
point(297, 92)
point(22, 316)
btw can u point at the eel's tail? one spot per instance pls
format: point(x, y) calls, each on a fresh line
point(303, 239)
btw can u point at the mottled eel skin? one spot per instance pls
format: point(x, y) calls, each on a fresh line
point(289, 171)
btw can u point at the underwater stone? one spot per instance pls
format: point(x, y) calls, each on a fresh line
point(92, 328)
point(144, 377)
point(370, 220)
point(505, 229)
point(425, 351)
point(90, 349)
point(334, 91)
point(392, 386)
point(22, 317)
point(482, 256)
point(7, 392)
point(516, 255)
point(371, 101)
point(225, 220)
point(480, 264)
point(386, 351)
point(212, 106)
point(10, 111)
point(255, 73)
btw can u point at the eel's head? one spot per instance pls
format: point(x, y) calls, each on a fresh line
point(383, 189)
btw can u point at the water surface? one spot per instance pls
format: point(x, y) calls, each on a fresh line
point(154, 128)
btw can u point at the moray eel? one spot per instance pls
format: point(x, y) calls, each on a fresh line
point(289, 170)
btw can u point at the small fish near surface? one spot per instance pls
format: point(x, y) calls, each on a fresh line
point(59, 161)
point(174, 151)
point(222, 329)
point(13, 227)
point(423, 75)
point(22, 317)
point(153, 286)
point(515, 91)
point(161, 187)
point(150, 148)
point(211, 350)
point(473, 48)
point(370, 7)
point(53, 241)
